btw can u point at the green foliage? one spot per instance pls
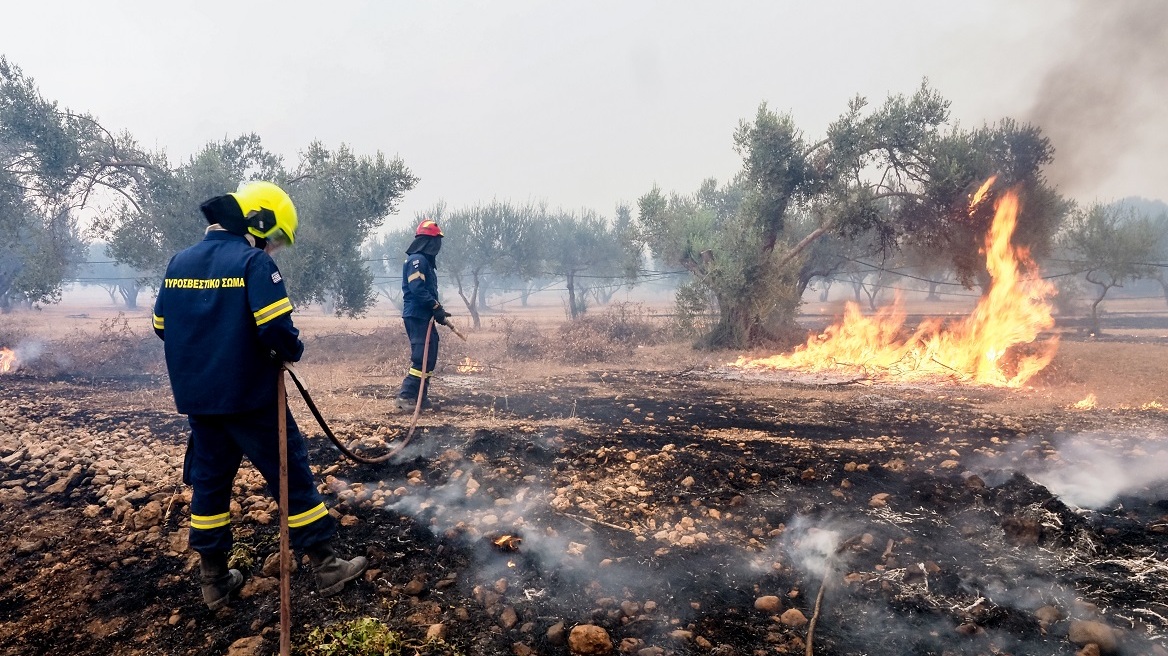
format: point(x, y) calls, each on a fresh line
point(367, 636)
point(166, 218)
point(694, 306)
point(51, 162)
point(341, 199)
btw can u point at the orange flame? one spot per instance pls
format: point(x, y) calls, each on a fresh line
point(7, 360)
point(468, 366)
point(1014, 311)
point(508, 542)
point(981, 191)
point(1087, 403)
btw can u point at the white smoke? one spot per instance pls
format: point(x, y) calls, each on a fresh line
point(29, 350)
point(1092, 470)
point(806, 545)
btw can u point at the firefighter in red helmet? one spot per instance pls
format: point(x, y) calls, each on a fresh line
point(420, 304)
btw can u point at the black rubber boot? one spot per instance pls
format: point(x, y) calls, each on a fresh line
point(407, 404)
point(218, 581)
point(333, 573)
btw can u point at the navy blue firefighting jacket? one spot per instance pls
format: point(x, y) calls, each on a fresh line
point(419, 287)
point(226, 319)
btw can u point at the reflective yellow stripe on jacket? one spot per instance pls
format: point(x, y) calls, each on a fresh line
point(157, 322)
point(266, 314)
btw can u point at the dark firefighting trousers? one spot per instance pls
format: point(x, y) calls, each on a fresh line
point(416, 331)
point(214, 453)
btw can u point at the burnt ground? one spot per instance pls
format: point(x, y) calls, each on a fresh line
point(684, 510)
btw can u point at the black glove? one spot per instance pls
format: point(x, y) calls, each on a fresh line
point(440, 314)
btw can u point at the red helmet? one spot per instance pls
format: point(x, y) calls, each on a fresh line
point(428, 228)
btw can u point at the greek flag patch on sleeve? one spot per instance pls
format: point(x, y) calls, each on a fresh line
point(276, 277)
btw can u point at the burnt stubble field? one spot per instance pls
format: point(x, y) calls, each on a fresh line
point(656, 503)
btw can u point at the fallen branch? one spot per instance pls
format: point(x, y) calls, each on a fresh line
point(581, 518)
point(815, 615)
point(823, 587)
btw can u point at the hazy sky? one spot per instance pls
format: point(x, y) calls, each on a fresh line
point(587, 104)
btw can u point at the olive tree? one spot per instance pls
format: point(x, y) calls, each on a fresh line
point(897, 174)
point(53, 162)
point(1111, 245)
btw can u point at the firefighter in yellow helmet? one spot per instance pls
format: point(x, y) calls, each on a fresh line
point(226, 321)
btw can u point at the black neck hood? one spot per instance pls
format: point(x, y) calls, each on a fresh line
point(426, 245)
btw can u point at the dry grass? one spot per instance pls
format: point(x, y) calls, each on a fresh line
point(1126, 370)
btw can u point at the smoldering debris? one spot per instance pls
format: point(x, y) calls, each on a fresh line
point(1093, 470)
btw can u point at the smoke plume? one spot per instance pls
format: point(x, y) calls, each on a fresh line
point(1105, 99)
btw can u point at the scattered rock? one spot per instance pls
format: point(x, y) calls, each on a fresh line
point(259, 585)
point(1048, 615)
point(555, 633)
point(436, 632)
point(25, 547)
point(768, 604)
point(1022, 531)
point(1090, 649)
point(1083, 632)
point(252, 646)
point(793, 617)
point(587, 639)
point(508, 618)
point(414, 588)
point(631, 645)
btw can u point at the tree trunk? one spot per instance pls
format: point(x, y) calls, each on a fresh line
point(872, 294)
point(572, 310)
point(528, 285)
point(736, 327)
point(482, 296)
point(823, 293)
point(1104, 287)
point(129, 294)
point(471, 303)
point(933, 295)
point(1095, 312)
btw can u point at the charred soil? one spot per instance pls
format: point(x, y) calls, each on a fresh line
point(682, 510)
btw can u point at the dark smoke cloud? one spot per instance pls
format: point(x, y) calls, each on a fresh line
point(1106, 96)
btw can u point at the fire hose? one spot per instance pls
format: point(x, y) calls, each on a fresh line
point(413, 421)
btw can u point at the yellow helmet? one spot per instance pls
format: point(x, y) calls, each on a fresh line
point(269, 211)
